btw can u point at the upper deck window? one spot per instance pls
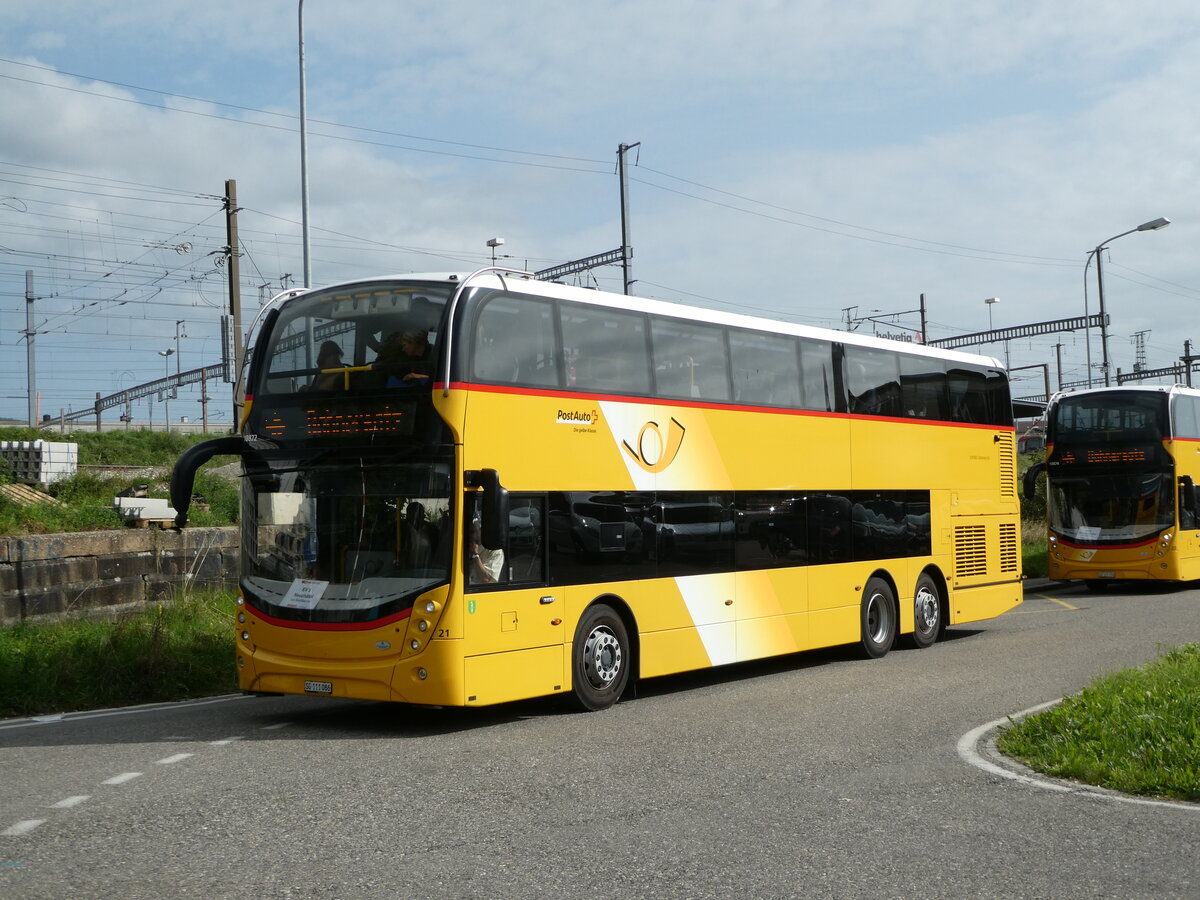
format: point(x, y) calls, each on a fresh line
point(1109, 416)
point(766, 369)
point(515, 343)
point(605, 350)
point(1185, 416)
point(358, 337)
point(873, 381)
point(689, 360)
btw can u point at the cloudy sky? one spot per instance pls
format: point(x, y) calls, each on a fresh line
point(813, 160)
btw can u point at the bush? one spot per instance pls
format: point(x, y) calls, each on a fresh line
point(167, 652)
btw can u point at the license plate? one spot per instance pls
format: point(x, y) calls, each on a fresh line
point(318, 687)
point(1106, 574)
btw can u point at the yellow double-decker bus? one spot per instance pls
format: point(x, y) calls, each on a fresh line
point(465, 490)
point(1121, 470)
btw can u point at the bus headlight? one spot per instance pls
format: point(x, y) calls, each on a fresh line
point(422, 625)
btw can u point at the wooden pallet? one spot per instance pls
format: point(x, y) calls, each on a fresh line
point(23, 495)
point(152, 523)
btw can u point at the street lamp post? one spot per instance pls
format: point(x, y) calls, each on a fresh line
point(304, 153)
point(991, 301)
point(1152, 225)
point(166, 355)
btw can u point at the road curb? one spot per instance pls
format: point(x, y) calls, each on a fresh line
point(978, 748)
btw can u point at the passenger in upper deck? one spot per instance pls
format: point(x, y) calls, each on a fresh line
point(403, 359)
point(328, 357)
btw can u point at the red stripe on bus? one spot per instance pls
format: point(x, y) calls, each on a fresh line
point(1067, 543)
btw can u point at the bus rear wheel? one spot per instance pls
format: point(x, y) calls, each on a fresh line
point(927, 613)
point(600, 659)
point(878, 618)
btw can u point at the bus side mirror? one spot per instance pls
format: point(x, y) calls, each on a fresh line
point(1187, 493)
point(493, 528)
point(1030, 483)
point(183, 476)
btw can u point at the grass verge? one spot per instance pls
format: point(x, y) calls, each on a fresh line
point(1033, 549)
point(172, 651)
point(1136, 731)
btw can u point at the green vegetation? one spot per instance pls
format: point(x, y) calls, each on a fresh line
point(1033, 521)
point(167, 652)
point(1033, 549)
point(88, 496)
point(1136, 731)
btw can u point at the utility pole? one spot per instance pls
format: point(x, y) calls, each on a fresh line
point(204, 400)
point(178, 335)
point(1187, 360)
point(626, 245)
point(235, 297)
point(924, 322)
point(30, 359)
point(1139, 350)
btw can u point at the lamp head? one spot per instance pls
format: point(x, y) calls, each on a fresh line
point(1154, 224)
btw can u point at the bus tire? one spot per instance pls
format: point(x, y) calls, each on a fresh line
point(928, 622)
point(600, 658)
point(878, 618)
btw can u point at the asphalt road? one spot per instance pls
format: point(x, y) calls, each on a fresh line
point(820, 775)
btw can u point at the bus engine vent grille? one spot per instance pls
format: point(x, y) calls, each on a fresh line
point(1008, 465)
point(1009, 547)
point(970, 551)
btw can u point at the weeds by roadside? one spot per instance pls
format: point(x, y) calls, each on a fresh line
point(173, 651)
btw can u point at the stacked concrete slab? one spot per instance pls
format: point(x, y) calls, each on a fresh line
point(39, 462)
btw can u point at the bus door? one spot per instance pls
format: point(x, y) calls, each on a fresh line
point(513, 621)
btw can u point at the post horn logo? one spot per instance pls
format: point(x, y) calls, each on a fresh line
point(654, 452)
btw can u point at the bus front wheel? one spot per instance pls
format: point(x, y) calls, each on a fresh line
point(600, 659)
point(878, 618)
point(927, 613)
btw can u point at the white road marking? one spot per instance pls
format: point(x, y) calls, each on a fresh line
point(71, 801)
point(229, 740)
point(122, 778)
point(275, 727)
point(22, 828)
point(171, 760)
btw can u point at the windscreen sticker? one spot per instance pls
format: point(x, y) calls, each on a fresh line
point(304, 594)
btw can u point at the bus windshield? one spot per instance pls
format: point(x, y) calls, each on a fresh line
point(345, 539)
point(1117, 508)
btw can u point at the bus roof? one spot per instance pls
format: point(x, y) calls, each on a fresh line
point(516, 283)
point(1127, 389)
